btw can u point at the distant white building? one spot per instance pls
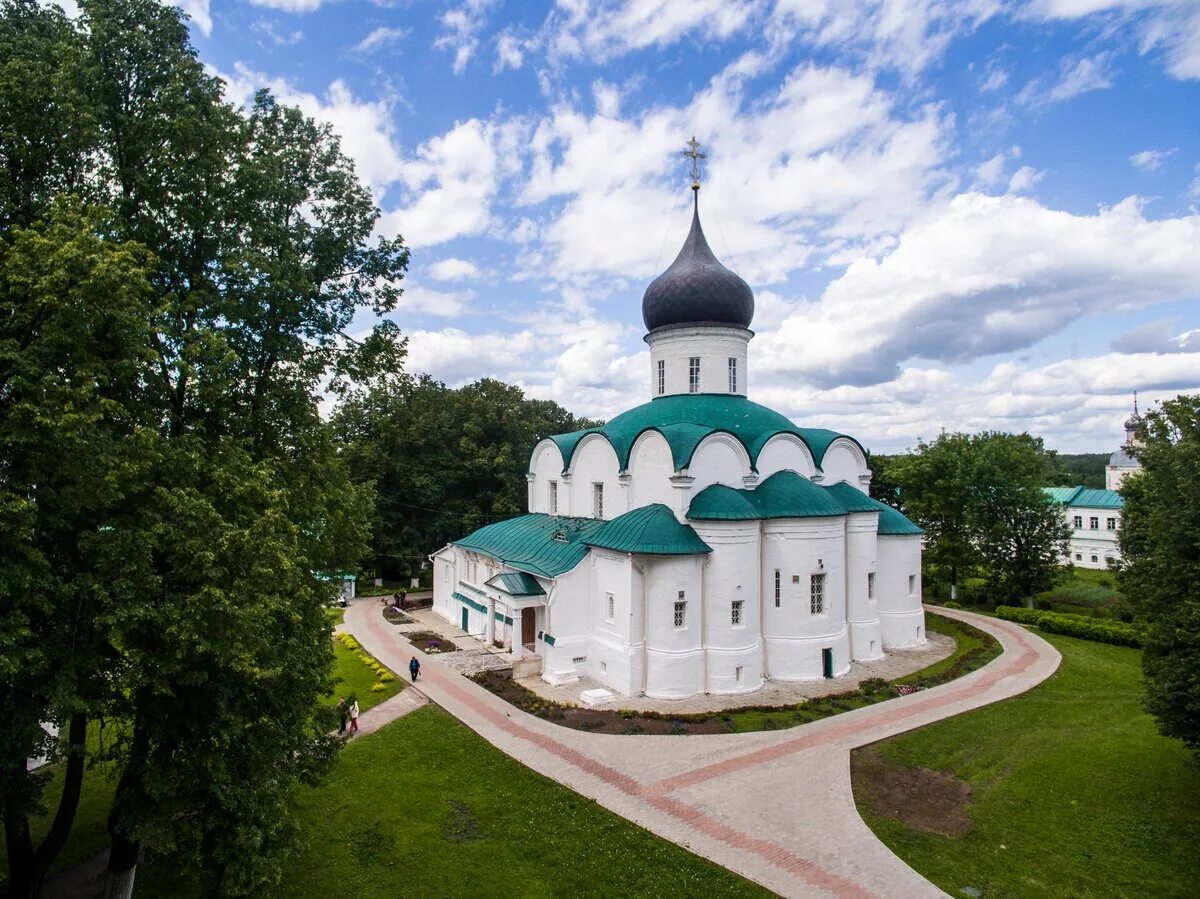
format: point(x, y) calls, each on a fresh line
point(699, 543)
point(1094, 516)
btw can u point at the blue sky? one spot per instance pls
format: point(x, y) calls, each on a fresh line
point(957, 214)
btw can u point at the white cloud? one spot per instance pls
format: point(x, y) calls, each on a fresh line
point(364, 127)
point(991, 172)
point(1024, 179)
point(452, 179)
point(1149, 160)
point(601, 29)
point(509, 54)
point(826, 154)
point(982, 275)
point(380, 37)
point(1083, 75)
point(995, 79)
point(453, 269)
point(1170, 27)
point(454, 356)
point(1158, 337)
point(460, 31)
point(442, 303)
point(291, 5)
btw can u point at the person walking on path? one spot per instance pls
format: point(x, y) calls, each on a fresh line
point(343, 714)
point(414, 668)
point(354, 716)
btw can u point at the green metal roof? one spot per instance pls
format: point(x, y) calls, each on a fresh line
point(652, 530)
point(1085, 497)
point(527, 542)
point(787, 494)
point(516, 583)
point(686, 419)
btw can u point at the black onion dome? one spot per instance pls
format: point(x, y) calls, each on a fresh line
point(697, 289)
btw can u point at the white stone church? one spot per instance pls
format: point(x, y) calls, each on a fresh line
point(698, 543)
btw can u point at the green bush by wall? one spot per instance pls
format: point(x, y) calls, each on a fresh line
point(1115, 632)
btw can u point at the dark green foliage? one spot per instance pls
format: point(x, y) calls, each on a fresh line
point(443, 461)
point(1160, 544)
point(177, 276)
point(980, 500)
point(1074, 469)
point(1117, 633)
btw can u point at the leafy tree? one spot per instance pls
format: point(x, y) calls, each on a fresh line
point(938, 487)
point(443, 461)
point(167, 486)
point(1075, 469)
point(884, 486)
point(1160, 546)
point(1020, 537)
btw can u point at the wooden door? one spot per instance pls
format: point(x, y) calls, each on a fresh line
point(528, 627)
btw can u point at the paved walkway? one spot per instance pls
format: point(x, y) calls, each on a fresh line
point(774, 806)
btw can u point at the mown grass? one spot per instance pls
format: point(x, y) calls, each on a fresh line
point(1075, 792)
point(426, 807)
point(355, 677)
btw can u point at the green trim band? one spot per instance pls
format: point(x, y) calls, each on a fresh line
point(478, 607)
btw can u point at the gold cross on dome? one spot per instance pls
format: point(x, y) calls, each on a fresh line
point(692, 153)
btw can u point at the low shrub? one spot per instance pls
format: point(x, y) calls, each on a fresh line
point(378, 688)
point(1099, 630)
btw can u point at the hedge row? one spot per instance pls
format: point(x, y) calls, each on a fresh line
point(1116, 632)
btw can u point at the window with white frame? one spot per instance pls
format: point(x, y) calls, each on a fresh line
point(912, 585)
point(552, 504)
point(777, 588)
point(1094, 523)
point(816, 594)
point(610, 607)
point(680, 613)
point(732, 374)
point(694, 374)
point(662, 377)
point(1112, 524)
point(597, 501)
point(735, 613)
point(871, 585)
point(1077, 521)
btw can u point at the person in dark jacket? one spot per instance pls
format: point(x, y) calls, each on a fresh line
point(343, 713)
point(414, 668)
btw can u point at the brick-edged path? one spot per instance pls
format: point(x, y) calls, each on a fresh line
point(775, 806)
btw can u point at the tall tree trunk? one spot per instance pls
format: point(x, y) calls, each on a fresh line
point(27, 866)
point(122, 867)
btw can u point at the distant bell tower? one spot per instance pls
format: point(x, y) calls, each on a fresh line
point(698, 315)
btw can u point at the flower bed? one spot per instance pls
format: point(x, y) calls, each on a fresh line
point(975, 649)
point(429, 642)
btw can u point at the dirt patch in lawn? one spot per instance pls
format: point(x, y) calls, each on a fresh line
point(920, 798)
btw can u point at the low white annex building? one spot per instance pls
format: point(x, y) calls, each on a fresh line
point(1094, 516)
point(698, 543)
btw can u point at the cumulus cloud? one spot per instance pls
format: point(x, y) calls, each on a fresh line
point(509, 54)
point(453, 269)
point(1024, 179)
point(826, 151)
point(457, 357)
point(981, 275)
point(991, 172)
point(442, 303)
point(601, 29)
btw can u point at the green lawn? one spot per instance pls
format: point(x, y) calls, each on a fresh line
point(426, 807)
point(355, 677)
point(1075, 792)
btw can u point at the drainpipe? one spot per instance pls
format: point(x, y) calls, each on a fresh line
point(645, 657)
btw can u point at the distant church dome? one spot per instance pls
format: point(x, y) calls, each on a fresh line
point(697, 289)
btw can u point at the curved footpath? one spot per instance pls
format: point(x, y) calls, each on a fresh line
point(774, 806)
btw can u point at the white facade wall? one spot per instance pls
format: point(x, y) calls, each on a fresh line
point(1092, 547)
point(650, 469)
point(546, 466)
point(719, 459)
point(898, 584)
point(674, 655)
point(794, 637)
point(733, 652)
point(862, 609)
point(786, 452)
point(595, 462)
point(713, 346)
point(844, 461)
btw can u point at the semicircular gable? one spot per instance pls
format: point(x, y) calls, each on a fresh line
point(785, 451)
